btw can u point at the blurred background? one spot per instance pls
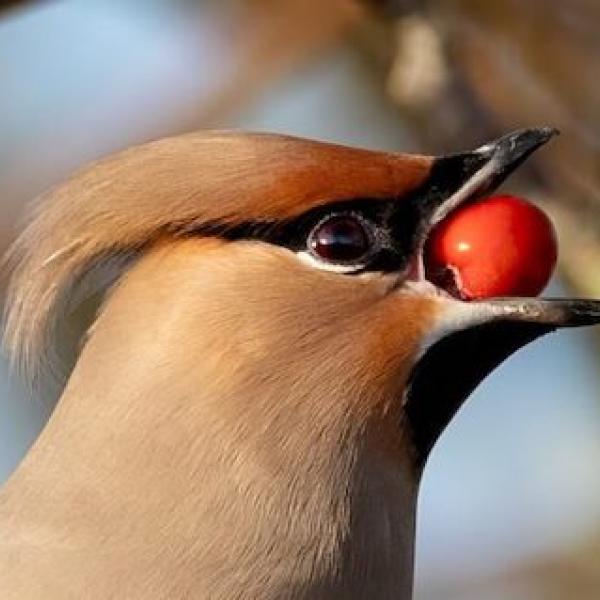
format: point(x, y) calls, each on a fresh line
point(510, 503)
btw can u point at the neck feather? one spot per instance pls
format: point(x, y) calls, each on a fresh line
point(190, 468)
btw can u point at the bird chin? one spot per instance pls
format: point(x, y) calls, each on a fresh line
point(470, 340)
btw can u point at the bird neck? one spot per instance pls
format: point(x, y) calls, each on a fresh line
point(179, 498)
point(158, 476)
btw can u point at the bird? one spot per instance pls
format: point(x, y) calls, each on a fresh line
point(249, 413)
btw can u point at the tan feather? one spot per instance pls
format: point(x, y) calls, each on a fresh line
point(109, 211)
point(231, 430)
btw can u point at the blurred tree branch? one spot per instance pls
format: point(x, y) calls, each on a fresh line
point(271, 38)
point(572, 574)
point(7, 5)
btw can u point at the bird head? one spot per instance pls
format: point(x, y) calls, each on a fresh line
point(268, 333)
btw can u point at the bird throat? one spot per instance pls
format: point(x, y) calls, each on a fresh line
point(177, 459)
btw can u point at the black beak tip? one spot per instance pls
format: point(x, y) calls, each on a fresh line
point(551, 313)
point(512, 149)
point(519, 141)
point(578, 313)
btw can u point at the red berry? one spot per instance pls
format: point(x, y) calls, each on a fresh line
point(499, 246)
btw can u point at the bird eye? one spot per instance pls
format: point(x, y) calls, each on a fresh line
point(340, 239)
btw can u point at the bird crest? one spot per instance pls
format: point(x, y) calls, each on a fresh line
point(83, 233)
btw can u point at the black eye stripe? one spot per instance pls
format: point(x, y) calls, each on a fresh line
point(391, 223)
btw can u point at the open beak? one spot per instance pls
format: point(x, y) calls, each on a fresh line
point(472, 338)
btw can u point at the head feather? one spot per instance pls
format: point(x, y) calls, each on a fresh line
point(110, 211)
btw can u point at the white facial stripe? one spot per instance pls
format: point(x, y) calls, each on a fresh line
point(308, 259)
point(456, 315)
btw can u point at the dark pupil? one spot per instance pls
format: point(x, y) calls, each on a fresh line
point(340, 239)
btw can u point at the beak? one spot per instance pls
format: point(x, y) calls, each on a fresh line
point(458, 178)
point(470, 339)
